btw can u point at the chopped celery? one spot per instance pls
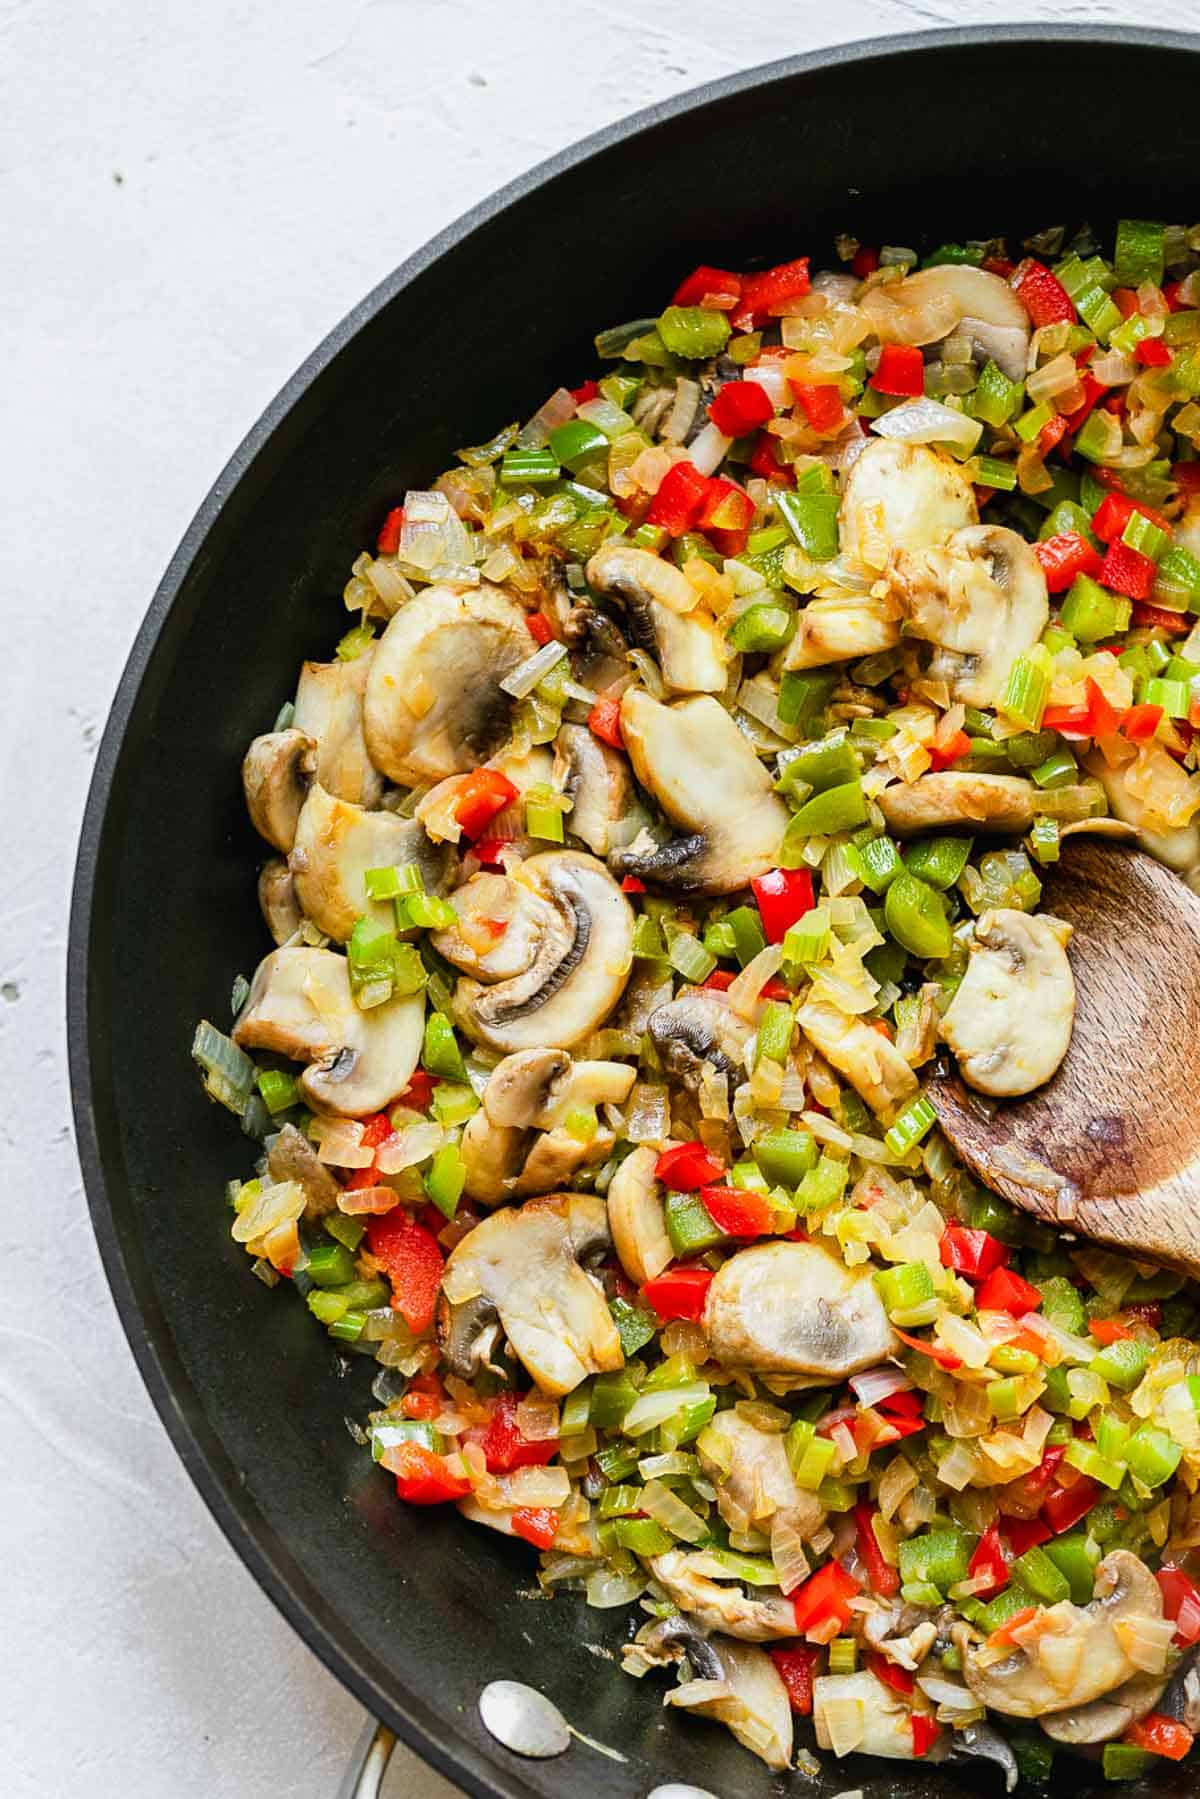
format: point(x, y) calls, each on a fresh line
point(1152, 1456)
point(823, 1186)
point(914, 1122)
point(330, 1265)
point(775, 1029)
point(1121, 1364)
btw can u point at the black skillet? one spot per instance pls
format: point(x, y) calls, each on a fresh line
point(912, 140)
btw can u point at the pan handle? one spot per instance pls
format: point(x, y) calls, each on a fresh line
point(368, 1764)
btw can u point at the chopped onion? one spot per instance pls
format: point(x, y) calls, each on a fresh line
point(339, 1142)
point(928, 421)
point(433, 538)
point(525, 677)
point(879, 1383)
point(648, 1114)
point(606, 1589)
point(276, 1203)
point(667, 1509)
point(684, 408)
point(404, 1149)
point(549, 416)
point(745, 991)
point(354, 1201)
point(708, 448)
point(537, 1418)
point(788, 1553)
point(1145, 1641)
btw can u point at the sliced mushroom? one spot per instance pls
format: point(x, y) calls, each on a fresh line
point(660, 605)
point(720, 1605)
point(699, 1026)
point(857, 1713)
point(753, 1477)
point(522, 1265)
point(637, 1219)
point(1079, 1658)
point(989, 312)
point(792, 1308)
point(336, 843)
point(979, 1742)
point(300, 1005)
point(275, 777)
point(595, 778)
point(329, 707)
point(705, 776)
point(872, 1064)
point(565, 971)
point(277, 900)
point(501, 927)
point(534, 1091)
point(1178, 848)
point(599, 652)
point(1005, 804)
point(292, 1157)
point(1182, 1697)
point(748, 1697)
point(1010, 1022)
point(434, 705)
point(901, 496)
point(981, 598)
point(834, 629)
point(1103, 1719)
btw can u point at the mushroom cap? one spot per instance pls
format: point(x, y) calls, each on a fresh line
point(336, 843)
point(707, 779)
point(989, 312)
point(329, 707)
point(637, 1219)
point(277, 900)
point(595, 778)
point(1102, 1719)
point(565, 973)
point(1009, 1024)
point(721, 1604)
point(1081, 1658)
point(871, 1063)
point(792, 1308)
point(522, 1265)
point(300, 1005)
point(753, 1477)
point(981, 597)
point(660, 603)
point(1178, 848)
point(901, 496)
point(699, 1026)
point(275, 775)
point(434, 705)
point(749, 1698)
point(292, 1157)
point(1005, 804)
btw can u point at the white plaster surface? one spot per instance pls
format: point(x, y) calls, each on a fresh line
point(191, 194)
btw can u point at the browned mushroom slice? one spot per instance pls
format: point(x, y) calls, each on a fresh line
point(685, 1577)
point(858, 1714)
point(637, 1219)
point(901, 496)
point(292, 1157)
point(660, 605)
point(981, 598)
point(745, 1693)
point(516, 1144)
point(1010, 1022)
point(792, 1308)
point(275, 777)
point(1005, 804)
point(329, 707)
point(277, 900)
point(595, 778)
point(873, 1066)
point(336, 843)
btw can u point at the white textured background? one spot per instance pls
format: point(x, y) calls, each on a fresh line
point(191, 194)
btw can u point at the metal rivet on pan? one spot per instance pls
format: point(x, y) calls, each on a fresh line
point(523, 1719)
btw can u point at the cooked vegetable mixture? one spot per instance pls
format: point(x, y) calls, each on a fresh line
point(688, 777)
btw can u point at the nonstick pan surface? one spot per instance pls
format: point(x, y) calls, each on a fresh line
point(915, 140)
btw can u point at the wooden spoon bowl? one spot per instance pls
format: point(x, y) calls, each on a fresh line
point(1110, 1146)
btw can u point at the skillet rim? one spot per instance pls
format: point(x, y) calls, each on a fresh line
point(439, 1741)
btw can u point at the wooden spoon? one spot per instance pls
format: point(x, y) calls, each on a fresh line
point(1110, 1146)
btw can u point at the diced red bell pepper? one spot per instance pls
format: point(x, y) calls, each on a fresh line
point(488, 850)
point(1109, 1330)
point(825, 1595)
point(1114, 513)
point(740, 407)
point(721, 980)
point(1064, 556)
point(503, 1445)
point(425, 1478)
point(1004, 1291)
point(1040, 1479)
point(989, 1560)
point(679, 1293)
point(943, 755)
point(1065, 1506)
point(796, 1668)
point(481, 795)
point(944, 1358)
point(1160, 618)
point(718, 290)
point(587, 390)
point(738, 1212)
point(1026, 1533)
point(411, 1257)
point(1052, 433)
point(726, 516)
point(1161, 1735)
point(1152, 353)
point(537, 1524)
point(377, 1128)
point(1181, 1603)
point(1041, 293)
point(973, 1253)
point(883, 1578)
point(688, 1166)
point(419, 1092)
point(1186, 476)
point(901, 371)
point(631, 884)
point(783, 895)
point(1141, 722)
point(905, 1404)
point(677, 504)
point(604, 722)
point(865, 262)
point(999, 265)
point(766, 465)
point(420, 1405)
point(925, 1732)
point(821, 404)
point(388, 541)
point(1125, 300)
point(771, 287)
point(1127, 571)
point(539, 627)
point(901, 1680)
